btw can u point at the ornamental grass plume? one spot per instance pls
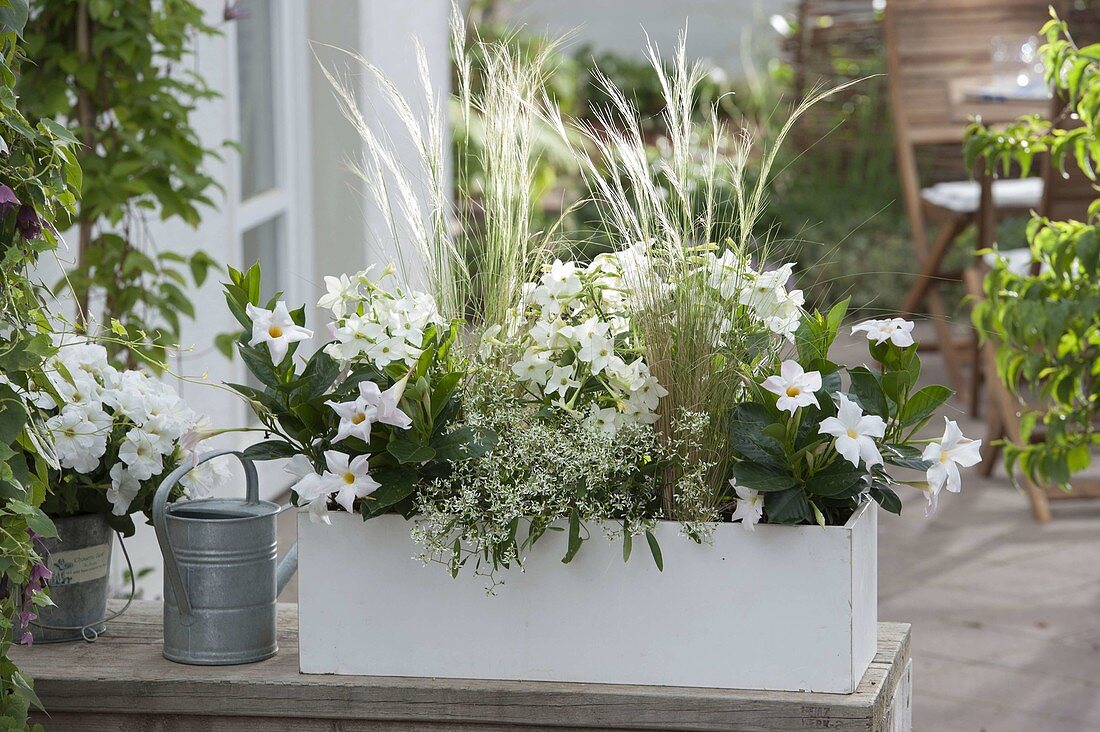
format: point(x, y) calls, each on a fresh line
point(702, 350)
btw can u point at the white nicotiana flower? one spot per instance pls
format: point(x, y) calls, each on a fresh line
point(339, 292)
point(387, 351)
point(124, 489)
point(946, 456)
point(750, 506)
point(607, 420)
point(794, 386)
point(349, 479)
point(275, 328)
point(562, 281)
point(898, 331)
point(534, 366)
point(561, 381)
point(855, 433)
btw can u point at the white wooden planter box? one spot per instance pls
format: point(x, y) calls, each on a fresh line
point(784, 608)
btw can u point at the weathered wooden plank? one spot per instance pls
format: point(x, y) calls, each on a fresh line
point(122, 681)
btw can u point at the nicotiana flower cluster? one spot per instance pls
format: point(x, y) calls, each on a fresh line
point(573, 330)
point(763, 295)
point(124, 423)
point(374, 324)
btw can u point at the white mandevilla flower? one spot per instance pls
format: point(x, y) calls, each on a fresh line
point(356, 418)
point(348, 478)
point(855, 433)
point(275, 328)
point(946, 456)
point(794, 386)
point(385, 403)
point(310, 488)
point(750, 506)
point(898, 331)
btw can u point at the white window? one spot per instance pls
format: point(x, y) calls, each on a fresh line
point(272, 190)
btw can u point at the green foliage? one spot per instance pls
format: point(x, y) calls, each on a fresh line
point(1046, 321)
point(784, 456)
point(118, 73)
point(39, 182)
point(294, 407)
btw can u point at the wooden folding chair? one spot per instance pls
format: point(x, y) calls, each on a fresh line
point(930, 46)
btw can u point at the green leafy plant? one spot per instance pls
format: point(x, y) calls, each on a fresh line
point(117, 72)
point(371, 423)
point(39, 183)
point(1046, 320)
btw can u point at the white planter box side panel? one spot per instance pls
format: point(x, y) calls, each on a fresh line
point(784, 608)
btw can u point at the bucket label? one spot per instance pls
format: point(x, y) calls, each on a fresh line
point(79, 565)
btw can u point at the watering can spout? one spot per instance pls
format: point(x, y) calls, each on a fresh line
point(287, 567)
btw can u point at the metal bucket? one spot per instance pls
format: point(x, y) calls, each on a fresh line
point(221, 577)
point(80, 560)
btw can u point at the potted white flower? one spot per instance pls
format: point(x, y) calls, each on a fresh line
point(109, 435)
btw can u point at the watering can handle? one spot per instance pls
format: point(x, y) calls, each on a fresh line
point(160, 519)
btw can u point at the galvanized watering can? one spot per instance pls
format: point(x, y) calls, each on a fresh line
point(221, 576)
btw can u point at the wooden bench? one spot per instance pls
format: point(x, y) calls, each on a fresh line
point(121, 682)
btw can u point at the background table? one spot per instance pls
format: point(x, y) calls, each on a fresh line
point(122, 682)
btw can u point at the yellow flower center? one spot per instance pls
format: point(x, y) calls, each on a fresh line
point(349, 477)
point(793, 391)
point(275, 331)
point(853, 434)
point(358, 418)
point(944, 457)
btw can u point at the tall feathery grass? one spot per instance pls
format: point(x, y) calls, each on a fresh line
point(477, 248)
point(688, 343)
point(478, 267)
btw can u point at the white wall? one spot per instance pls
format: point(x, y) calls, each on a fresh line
point(719, 30)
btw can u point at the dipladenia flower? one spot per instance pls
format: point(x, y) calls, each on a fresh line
point(898, 331)
point(275, 328)
point(854, 432)
point(946, 456)
point(750, 506)
point(348, 478)
point(794, 386)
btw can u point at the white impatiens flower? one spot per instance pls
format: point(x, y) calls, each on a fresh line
point(855, 432)
point(124, 488)
point(946, 456)
point(349, 479)
point(794, 386)
point(750, 506)
point(275, 328)
point(898, 331)
point(201, 481)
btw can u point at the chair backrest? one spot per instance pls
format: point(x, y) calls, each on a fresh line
point(929, 43)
